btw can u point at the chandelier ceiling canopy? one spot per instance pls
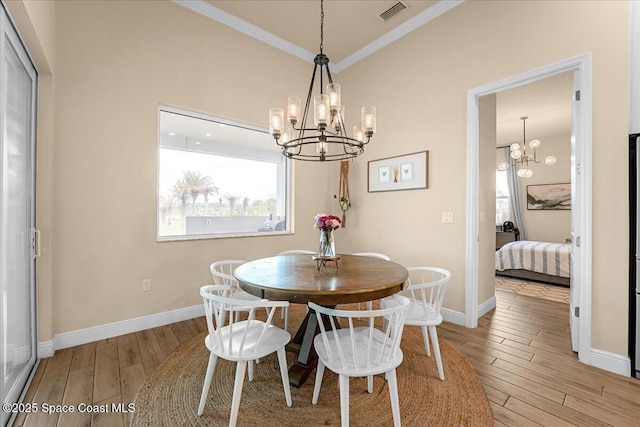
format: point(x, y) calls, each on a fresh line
point(327, 139)
point(521, 159)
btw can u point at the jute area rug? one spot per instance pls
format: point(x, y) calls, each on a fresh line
point(170, 395)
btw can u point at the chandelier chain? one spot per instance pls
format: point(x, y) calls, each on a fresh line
point(321, 25)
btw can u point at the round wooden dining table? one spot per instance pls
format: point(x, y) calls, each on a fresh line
point(299, 279)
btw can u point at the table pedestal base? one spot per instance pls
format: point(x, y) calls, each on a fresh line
point(298, 373)
point(307, 357)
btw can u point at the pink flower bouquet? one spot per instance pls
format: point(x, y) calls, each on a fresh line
point(326, 222)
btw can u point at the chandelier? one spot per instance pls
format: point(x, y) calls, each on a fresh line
point(327, 139)
point(520, 158)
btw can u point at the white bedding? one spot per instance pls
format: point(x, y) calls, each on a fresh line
point(541, 257)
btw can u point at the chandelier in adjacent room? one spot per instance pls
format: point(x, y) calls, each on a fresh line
point(327, 139)
point(521, 159)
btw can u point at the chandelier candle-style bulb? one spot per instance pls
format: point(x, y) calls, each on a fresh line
point(293, 109)
point(516, 154)
point(287, 135)
point(534, 144)
point(515, 146)
point(276, 122)
point(321, 146)
point(368, 117)
point(550, 160)
point(333, 91)
point(338, 119)
point(503, 166)
point(357, 133)
point(321, 110)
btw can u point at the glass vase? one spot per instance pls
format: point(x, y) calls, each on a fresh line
point(327, 248)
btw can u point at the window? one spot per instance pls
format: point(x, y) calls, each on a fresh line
point(218, 178)
point(502, 198)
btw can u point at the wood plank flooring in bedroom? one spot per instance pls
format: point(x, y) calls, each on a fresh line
point(521, 352)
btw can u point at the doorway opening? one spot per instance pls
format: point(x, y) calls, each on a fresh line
point(581, 196)
point(533, 188)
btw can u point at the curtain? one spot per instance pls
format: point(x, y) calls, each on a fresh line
point(516, 200)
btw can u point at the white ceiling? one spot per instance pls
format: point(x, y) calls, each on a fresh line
point(348, 25)
point(353, 30)
point(547, 103)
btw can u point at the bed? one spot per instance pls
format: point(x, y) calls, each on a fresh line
point(537, 261)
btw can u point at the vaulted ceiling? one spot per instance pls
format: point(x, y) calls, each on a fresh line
point(353, 30)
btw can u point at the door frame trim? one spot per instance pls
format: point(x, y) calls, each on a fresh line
point(9, 30)
point(582, 63)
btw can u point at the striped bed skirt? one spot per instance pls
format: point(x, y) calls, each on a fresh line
point(542, 257)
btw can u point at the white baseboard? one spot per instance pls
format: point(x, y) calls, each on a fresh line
point(110, 330)
point(452, 316)
point(45, 349)
point(608, 361)
point(457, 317)
point(612, 362)
point(486, 306)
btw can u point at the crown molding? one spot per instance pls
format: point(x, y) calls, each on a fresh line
point(225, 18)
point(401, 30)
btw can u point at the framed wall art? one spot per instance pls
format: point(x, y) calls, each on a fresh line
point(549, 197)
point(408, 172)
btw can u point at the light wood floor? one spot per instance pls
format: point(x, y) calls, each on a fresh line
point(521, 352)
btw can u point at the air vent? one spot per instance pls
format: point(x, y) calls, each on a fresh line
point(393, 10)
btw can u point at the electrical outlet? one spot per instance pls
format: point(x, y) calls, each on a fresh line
point(447, 217)
point(146, 285)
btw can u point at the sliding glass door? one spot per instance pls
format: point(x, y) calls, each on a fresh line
point(17, 266)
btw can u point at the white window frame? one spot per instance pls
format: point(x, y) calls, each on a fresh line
point(288, 182)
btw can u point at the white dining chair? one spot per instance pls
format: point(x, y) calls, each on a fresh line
point(425, 287)
point(222, 272)
point(285, 312)
point(240, 341)
point(373, 255)
point(297, 251)
point(360, 349)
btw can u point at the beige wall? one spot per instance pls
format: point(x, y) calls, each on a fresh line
point(419, 85)
point(550, 226)
point(115, 61)
point(486, 197)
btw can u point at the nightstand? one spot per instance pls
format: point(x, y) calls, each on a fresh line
point(504, 237)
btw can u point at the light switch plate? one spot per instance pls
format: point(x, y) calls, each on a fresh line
point(447, 217)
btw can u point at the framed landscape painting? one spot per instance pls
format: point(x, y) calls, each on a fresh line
point(408, 172)
point(549, 197)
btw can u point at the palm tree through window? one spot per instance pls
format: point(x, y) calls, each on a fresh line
point(218, 178)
